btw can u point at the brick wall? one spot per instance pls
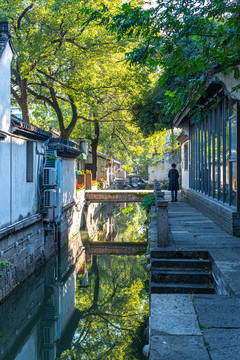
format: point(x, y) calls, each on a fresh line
point(223, 215)
point(29, 243)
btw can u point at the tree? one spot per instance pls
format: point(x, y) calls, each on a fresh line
point(52, 39)
point(68, 68)
point(106, 116)
point(214, 28)
point(153, 112)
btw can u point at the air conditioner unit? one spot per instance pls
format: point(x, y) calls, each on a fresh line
point(50, 198)
point(49, 176)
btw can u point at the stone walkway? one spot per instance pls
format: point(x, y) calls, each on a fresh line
point(198, 327)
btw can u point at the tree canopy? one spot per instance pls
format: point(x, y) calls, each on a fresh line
point(167, 32)
point(69, 71)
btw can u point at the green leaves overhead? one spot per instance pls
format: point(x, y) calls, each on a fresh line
point(168, 32)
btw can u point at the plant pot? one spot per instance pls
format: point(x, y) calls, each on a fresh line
point(88, 183)
point(81, 179)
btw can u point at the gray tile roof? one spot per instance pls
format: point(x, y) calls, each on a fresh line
point(5, 36)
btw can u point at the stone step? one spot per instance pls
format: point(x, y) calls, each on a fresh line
point(179, 254)
point(176, 288)
point(181, 276)
point(181, 263)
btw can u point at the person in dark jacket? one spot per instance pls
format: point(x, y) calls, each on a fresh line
point(173, 175)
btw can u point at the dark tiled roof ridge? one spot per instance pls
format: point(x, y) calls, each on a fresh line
point(5, 36)
point(26, 129)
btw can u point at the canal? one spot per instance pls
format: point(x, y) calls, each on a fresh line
point(94, 308)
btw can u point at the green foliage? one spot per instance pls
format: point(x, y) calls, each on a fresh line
point(148, 202)
point(3, 263)
point(112, 310)
point(130, 224)
point(204, 327)
point(187, 41)
point(129, 169)
point(164, 185)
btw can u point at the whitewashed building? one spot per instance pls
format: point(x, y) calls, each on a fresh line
point(40, 209)
point(158, 170)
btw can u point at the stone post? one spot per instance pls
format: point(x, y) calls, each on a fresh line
point(162, 223)
point(162, 216)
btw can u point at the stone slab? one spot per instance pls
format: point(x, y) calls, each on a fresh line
point(218, 311)
point(178, 347)
point(224, 344)
point(172, 314)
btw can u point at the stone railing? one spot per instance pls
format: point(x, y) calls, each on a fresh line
point(162, 215)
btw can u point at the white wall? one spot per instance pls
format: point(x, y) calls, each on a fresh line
point(185, 173)
point(5, 88)
point(5, 147)
point(68, 180)
point(19, 198)
point(229, 82)
point(160, 170)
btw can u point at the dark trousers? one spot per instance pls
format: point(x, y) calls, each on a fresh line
point(174, 194)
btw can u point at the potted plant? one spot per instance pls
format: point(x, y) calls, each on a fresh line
point(81, 177)
point(80, 186)
point(103, 183)
point(88, 180)
point(94, 185)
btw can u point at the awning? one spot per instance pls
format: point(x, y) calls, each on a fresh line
point(82, 156)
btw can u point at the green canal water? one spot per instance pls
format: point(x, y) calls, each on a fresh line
point(96, 308)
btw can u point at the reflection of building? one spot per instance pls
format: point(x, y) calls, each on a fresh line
point(100, 222)
point(210, 159)
point(37, 320)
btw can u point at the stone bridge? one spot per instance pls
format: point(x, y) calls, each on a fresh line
point(101, 196)
point(116, 248)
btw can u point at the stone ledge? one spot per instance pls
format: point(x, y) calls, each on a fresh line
point(69, 206)
point(20, 225)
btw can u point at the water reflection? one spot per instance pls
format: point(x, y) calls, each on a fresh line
point(112, 310)
point(115, 222)
point(96, 310)
point(34, 318)
point(93, 309)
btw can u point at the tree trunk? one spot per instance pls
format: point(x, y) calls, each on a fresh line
point(172, 139)
point(97, 281)
point(94, 150)
point(21, 99)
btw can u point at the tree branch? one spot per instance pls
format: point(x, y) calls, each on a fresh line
point(23, 14)
point(17, 97)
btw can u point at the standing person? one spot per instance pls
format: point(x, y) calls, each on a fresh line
point(173, 175)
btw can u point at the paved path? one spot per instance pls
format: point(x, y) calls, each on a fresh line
point(198, 327)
